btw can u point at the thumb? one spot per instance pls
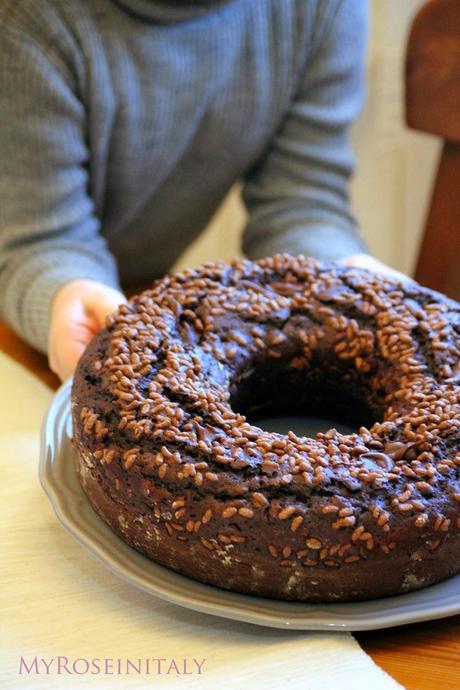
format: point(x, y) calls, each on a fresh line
point(104, 303)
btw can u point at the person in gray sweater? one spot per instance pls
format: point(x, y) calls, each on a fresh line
point(123, 123)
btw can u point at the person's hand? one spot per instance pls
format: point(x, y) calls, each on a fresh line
point(78, 312)
point(371, 264)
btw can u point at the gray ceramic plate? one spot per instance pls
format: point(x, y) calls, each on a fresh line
point(59, 481)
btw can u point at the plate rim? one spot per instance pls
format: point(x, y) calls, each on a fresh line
point(244, 607)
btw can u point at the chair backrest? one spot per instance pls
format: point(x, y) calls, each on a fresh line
point(432, 80)
point(433, 70)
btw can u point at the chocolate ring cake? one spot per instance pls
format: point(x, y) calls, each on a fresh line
point(165, 403)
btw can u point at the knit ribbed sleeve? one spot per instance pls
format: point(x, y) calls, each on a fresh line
point(49, 234)
point(297, 195)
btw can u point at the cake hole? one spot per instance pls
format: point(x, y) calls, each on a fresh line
point(301, 425)
point(278, 399)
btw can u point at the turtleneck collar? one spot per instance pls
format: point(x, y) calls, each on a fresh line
point(170, 10)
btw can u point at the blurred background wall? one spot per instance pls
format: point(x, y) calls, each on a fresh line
point(395, 166)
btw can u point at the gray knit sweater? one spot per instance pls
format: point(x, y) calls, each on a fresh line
point(123, 123)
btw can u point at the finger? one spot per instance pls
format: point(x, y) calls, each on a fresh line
point(68, 338)
point(104, 305)
point(64, 361)
point(74, 319)
point(369, 263)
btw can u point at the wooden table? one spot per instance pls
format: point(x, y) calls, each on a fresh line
point(425, 656)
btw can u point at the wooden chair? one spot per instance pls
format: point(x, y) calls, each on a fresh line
point(433, 105)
